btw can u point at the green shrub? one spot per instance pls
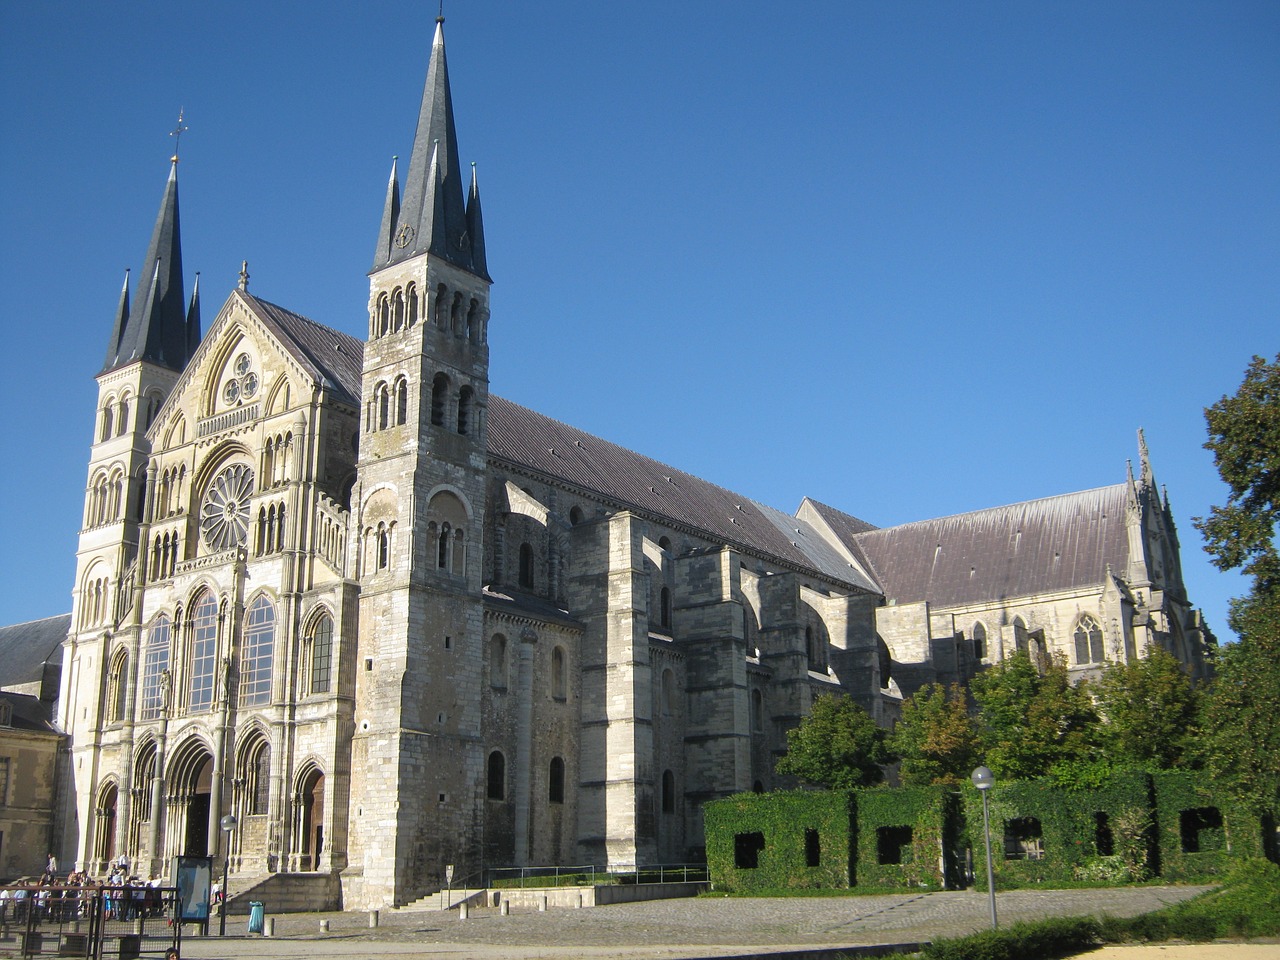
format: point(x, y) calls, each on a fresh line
point(1042, 939)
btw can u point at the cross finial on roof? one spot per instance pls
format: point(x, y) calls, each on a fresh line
point(177, 133)
point(440, 15)
point(244, 275)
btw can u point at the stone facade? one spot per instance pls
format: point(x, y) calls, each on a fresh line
point(391, 622)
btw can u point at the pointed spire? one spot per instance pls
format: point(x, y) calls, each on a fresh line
point(1144, 458)
point(1132, 502)
point(193, 319)
point(390, 214)
point(432, 216)
point(156, 329)
point(475, 227)
point(117, 330)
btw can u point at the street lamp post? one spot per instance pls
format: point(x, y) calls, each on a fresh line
point(228, 825)
point(983, 779)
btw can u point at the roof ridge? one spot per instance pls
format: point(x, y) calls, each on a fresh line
point(982, 510)
point(27, 623)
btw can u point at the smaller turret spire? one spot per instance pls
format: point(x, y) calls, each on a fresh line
point(1144, 458)
point(122, 321)
point(475, 227)
point(390, 215)
point(193, 318)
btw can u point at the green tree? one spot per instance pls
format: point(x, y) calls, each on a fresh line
point(1244, 435)
point(837, 746)
point(1151, 711)
point(936, 738)
point(1030, 722)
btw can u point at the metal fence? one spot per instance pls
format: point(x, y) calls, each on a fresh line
point(590, 875)
point(89, 921)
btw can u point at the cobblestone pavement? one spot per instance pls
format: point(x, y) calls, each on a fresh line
point(667, 929)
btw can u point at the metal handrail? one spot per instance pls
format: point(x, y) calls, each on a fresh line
point(594, 874)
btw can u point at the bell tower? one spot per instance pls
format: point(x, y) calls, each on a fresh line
point(417, 762)
point(153, 337)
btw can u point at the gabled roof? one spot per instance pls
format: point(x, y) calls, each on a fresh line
point(25, 648)
point(30, 713)
point(333, 358)
point(1055, 544)
point(546, 447)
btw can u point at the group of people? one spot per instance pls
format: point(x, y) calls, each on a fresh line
point(56, 898)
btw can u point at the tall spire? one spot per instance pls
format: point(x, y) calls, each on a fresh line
point(432, 217)
point(193, 319)
point(390, 214)
point(156, 328)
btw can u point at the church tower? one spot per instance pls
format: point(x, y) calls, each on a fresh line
point(151, 341)
point(417, 762)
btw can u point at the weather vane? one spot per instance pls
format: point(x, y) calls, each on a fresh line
point(177, 133)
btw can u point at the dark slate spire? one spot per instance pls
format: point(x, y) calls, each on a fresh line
point(122, 320)
point(432, 217)
point(390, 214)
point(193, 319)
point(156, 330)
point(475, 227)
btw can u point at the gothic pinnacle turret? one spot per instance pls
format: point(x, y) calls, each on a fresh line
point(156, 327)
point(431, 217)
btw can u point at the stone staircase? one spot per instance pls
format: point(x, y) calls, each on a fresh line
point(285, 893)
point(434, 902)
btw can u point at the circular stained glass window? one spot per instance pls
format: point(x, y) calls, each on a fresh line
point(224, 514)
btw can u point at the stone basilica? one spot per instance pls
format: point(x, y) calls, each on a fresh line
point(391, 622)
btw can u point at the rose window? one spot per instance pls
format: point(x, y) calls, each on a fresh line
point(224, 515)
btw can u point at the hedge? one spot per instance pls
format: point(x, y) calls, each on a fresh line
point(1102, 835)
point(797, 840)
point(1202, 832)
point(910, 827)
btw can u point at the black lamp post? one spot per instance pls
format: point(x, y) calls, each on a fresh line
point(228, 825)
point(983, 779)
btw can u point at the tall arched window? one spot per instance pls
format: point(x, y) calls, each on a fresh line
point(402, 401)
point(979, 640)
point(498, 662)
point(464, 409)
point(255, 774)
point(155, 662)
point(439, 395)
point(559, 674)
point(119, 685)
point(203, 664)
point(555, 781)
point(526, 566)
point(413, 305)
point(321, 653)
point(1088, 638)
point(384, 405)
point(259, 649)
point(497, 776)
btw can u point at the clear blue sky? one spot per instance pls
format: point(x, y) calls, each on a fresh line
point(910, 259)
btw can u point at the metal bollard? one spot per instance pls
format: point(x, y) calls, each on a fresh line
point(269, 927)
point(464, 910)
point(579, 901)
point(505, 908)
point(324, 926)
point(542, 903)
point(373, 918)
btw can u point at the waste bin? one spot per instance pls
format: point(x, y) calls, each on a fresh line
point(257, 914)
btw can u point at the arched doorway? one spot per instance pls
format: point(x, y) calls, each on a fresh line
point(311, 832)
point(105, 833)
point(190, 785)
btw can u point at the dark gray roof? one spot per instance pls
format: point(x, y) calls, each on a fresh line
point(333, 358)
point(156, 328)
point(30, 713)
point(1040, 546)
point(517, 603)
point(546, 447)
point(26, 647)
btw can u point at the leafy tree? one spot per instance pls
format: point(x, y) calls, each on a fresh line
point(1031, 721)
point(1244, 435)
point(1151, 710)
point(837, 746)
point(1242, 737)
point(936, 737)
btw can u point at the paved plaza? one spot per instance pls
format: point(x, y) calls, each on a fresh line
point(669, 929)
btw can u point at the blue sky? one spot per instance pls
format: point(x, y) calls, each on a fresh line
point(910, 259)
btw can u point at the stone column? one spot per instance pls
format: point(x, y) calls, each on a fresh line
point(524, 752)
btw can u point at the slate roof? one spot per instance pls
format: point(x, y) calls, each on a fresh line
point(26, 647)
point(546, 447)
point(332, 357)
point(31, 713)
point(1055, 544)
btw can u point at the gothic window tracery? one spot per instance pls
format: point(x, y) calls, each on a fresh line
point(155, 667)
point(224, 515)
point(321, 654)
point(202, 663)
point(1088, 641)
point(259, 649)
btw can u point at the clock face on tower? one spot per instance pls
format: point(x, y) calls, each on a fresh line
point(224, 514)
